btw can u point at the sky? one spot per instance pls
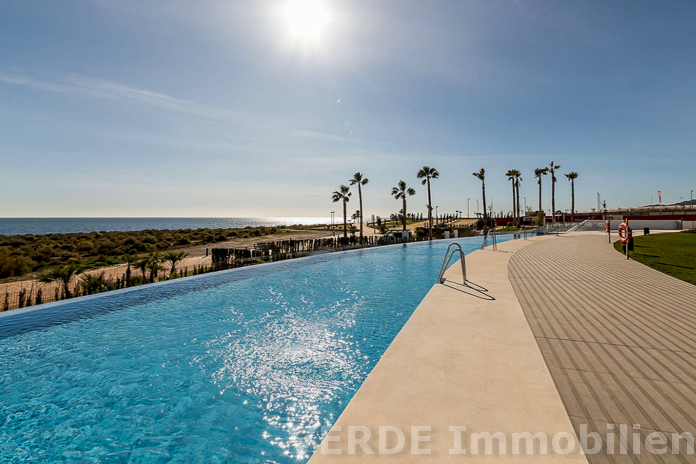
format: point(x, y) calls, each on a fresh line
point(214, 108)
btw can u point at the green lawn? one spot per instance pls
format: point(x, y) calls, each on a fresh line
point(672, 253)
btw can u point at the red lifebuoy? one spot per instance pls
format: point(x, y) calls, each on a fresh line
point(626, 236)
point(607, 225)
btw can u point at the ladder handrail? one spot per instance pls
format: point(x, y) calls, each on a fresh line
point(445, 262)
point(493, 234)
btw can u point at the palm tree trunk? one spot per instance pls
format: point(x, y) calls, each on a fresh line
point(345, 220)
point(404, 215)
point(553, 199)
point(430, 212)
point(514, 204)
point(485, 214)
point(66, 288)
point(572, 210)
point(540, 208)
point(361, 212)
point(519, 217)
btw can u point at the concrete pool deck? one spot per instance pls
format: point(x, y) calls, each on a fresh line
point(466, 358)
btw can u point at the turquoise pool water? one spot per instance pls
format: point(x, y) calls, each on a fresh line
point(239, 366)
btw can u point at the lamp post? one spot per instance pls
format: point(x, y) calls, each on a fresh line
point(436, 218)
point(692, 200)
point(467, 207)
point(333, 232)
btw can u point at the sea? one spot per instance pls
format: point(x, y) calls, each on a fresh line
point(41, 226)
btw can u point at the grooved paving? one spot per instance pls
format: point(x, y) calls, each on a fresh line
point(619, 339)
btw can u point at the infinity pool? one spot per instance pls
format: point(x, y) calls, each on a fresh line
point(238, 366)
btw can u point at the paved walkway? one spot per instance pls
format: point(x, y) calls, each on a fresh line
point(618, 337)
point(466, 357)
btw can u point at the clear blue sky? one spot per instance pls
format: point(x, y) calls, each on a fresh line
point(214, 108)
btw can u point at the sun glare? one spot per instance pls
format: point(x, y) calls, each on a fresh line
point(306, 18)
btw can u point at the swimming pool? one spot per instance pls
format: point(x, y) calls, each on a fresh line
point(237, 366)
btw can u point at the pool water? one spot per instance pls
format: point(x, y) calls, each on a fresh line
point(238, 366)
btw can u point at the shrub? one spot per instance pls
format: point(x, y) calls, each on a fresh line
point(139, 247)
point(85, 246)
point(11, 265)
point(149, 239)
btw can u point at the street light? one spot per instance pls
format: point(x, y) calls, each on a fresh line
point(692, 200)
point(332, 224)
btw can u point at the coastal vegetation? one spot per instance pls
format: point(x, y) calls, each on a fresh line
point(674, 253)
point(26, 254)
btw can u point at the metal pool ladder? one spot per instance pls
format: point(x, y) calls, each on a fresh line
point(493, 235)
point(446, 261)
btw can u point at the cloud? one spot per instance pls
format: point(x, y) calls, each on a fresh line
point(98, 88)
point(318, 135)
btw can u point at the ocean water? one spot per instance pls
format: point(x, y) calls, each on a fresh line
point(240, 366)
point(39, 226)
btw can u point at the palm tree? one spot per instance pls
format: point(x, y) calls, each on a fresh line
point(173, 258)
point(518, 178)
point(94, 283)
point(360, 180)
point(64, 275)
point(343, 194)
point(400, 192)
point(153, 264)
point(131, 261)
point(481, 175)
point(511, 177)
point(552, 170)
point(538, 173)
point(142, 265)
point(571, 177)
point(426, 173)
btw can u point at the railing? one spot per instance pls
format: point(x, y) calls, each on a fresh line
point(558, 227)
point(446, 261)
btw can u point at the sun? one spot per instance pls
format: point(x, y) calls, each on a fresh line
point(306, 18)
